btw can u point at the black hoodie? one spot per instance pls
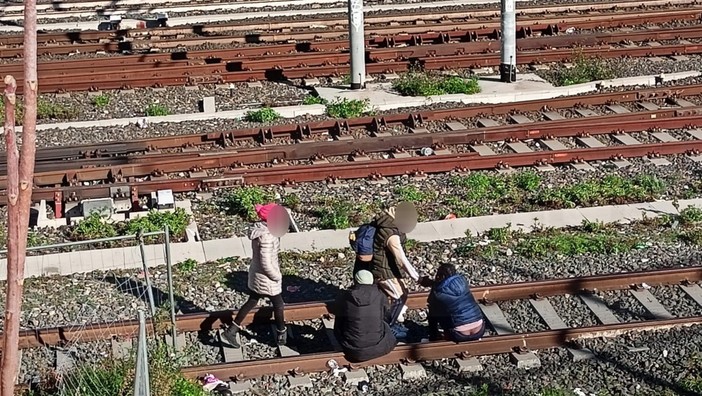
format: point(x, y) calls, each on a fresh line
point(359, 326)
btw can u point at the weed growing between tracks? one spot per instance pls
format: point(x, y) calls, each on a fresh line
point(46, 110)
point(242, 201)
point(313, 100)
point(347, 108)
point(589, 238)
point(157, 110)
point(265, 114)
point(95, 226)
point(115, 377)
point(428, 84)
point(101, 100)
point(584, 70)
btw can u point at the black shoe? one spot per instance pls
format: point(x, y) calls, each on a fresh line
point(229, 335)
point(282, 336)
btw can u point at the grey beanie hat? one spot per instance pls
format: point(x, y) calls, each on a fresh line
point(363, 277)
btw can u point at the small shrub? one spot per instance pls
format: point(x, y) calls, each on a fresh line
point(94, 226)
point(690, 215)
point(584, 70)
point(313, 99)
point(693, 384)
point(413, 194)
point(500, 235)
point(479, 186)
point(177, 221)
point(335, 216)
point(265, 114)
point(101, 100)
point(693, 237)
point(110, 378)
point(186, 266)
point(347, 108)
point(242, 201)
point(157, 110)
point(425, 84)
point(462, 208)
point(292, 201)
point(527, 181)
point(574, 243)
point(55, 111)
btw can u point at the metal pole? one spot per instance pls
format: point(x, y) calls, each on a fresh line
point(149, 292)
point(357, 44)
point(141, 380)
point(169, 272)
point(508, 70)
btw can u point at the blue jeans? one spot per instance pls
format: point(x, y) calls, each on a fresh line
point(455, 336)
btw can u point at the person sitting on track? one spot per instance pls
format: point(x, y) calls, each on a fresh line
point(452, 306)
point(265, 278)
point(360, 325)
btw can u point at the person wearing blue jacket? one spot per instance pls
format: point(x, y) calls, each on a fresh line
point(453, 307)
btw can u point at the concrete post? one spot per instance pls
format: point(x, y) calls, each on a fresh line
point(508, 65)
point(357, 44)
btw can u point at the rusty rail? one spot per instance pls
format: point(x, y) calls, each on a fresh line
point(89, 41)
point(306, 311)
point(337, 127)
point(138, 71)
point(432, 351)
point(118, 175)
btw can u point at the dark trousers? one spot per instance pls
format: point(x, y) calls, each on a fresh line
point(278, 309)
point(455, 336)
point(361, 265)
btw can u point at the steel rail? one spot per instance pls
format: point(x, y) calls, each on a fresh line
point(290, 55)
point(383, 34)
point(376, 124)
point(490, 345)
point(145, 165)
point(119, 185)
point(206, 321)
point(329, 65)
point(617, 12)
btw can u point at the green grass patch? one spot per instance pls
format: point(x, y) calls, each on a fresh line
point(241, 201)
point(265, 114)
point(176, 220)
point(101, 100)
point(313, 99)
point(157, 110)
point(428, 84)
point(414, 194)
point(611, 189)
point(584, 70)
point(94, 226)
point(55, 111)
point(115, 377)
point(186, 266)
point(336, 215)
point(291, 201)
point(572, 243)
point(347, 108)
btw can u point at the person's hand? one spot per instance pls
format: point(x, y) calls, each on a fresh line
point(426, 281)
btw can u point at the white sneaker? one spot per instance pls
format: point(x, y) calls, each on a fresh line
point(401, 316)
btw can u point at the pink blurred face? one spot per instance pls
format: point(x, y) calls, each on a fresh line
point(278, 221)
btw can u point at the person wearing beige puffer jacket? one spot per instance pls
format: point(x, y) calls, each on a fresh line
point(265, 278)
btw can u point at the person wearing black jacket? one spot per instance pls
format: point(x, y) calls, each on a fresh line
point(359, 324)
point(452, 306)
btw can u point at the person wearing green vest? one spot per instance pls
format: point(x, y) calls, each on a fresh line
point(389, 261)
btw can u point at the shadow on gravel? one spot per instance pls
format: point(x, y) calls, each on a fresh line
point(295, 289)
point(139, 290)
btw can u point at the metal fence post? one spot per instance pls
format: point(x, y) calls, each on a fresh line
point(141, 376)
point(357, 44)
point(149, 292)
point(169, 272)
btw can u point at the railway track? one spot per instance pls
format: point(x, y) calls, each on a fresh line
point(213, 160)
point(500, 340)
point(543, 20)
point(235, 66)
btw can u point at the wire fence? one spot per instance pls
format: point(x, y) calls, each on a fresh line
point(109, 365)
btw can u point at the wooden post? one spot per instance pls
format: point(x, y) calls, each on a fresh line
point(20, 174)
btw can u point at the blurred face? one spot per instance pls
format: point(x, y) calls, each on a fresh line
point(278, 221)
point(405, 217)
